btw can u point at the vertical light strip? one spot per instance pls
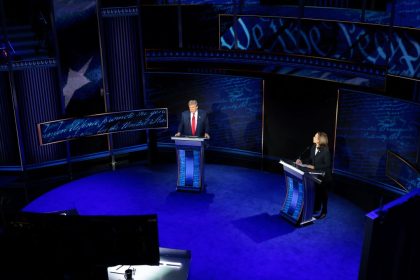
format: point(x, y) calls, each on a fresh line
point(104, 65)
point(335, 129)
point(218, 39)
point(262, 119)
point(180, 38)
point(18, 126)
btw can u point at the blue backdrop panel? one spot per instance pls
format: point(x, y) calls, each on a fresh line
point(404, 57)
point(234, 105)
point(407, 13)
point(80, 60)
point(367, 126)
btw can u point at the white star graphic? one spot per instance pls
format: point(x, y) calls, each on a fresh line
point(75, 80)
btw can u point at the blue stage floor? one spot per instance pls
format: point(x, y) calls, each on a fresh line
point(233, 230)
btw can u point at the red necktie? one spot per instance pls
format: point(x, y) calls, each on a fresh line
point(193, 125)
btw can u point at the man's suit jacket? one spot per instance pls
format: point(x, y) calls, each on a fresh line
point(321, 161)
point(202, 124)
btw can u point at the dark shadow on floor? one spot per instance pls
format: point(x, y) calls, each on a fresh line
point(184, 200)
point(263, 227)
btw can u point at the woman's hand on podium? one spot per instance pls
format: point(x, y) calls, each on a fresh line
point(298, 162)
point(177, 134)
point(206, 136)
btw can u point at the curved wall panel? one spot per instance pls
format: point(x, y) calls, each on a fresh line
point(123, 68)
point(38, 99)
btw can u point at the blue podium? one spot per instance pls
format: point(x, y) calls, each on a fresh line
point(298, 204)
point(190, 158)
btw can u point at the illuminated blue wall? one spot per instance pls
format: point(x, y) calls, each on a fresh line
point(234, 105)
point(367, 126)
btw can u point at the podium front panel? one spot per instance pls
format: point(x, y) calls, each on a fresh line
point(189, 161)
point(190, 158)
point(189, 143)
point(299, 201)
point(293, 203)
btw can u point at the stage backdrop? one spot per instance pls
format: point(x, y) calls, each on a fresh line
point(78, 41)
point(234, 105)
point(367, 126)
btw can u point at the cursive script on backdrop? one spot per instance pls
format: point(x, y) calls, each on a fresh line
point(359, 43)
point(67, 129)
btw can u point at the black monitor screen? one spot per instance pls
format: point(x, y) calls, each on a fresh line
point(94, 240)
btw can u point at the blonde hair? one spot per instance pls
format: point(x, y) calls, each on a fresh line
point(192, 102)
point(323, 138)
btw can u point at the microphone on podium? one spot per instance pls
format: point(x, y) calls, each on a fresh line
point(304, 151)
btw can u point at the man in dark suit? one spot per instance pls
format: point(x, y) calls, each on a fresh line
point(320, 160)
point(194, 122)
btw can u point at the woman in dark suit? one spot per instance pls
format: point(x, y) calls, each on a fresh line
point(320, 160)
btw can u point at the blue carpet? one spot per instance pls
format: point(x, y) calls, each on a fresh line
point(233, 230)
